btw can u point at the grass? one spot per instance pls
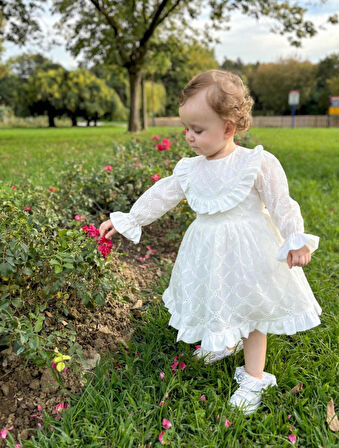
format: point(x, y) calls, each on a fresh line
point(120, 407)
point(40, 153)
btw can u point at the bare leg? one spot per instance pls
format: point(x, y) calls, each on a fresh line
point(255, 353)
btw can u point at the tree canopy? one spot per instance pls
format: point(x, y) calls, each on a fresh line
point(122, 33)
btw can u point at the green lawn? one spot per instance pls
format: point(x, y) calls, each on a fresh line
point(120, 407)
point(40, 153)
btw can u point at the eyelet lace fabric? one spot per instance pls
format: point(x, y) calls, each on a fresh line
point(231, 276)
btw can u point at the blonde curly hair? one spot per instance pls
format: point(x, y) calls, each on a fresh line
point(227, 95)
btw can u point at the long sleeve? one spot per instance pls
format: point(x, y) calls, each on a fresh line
point(161, 197)
point(273, 190)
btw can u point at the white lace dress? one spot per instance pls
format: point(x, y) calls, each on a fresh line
point(231, 275)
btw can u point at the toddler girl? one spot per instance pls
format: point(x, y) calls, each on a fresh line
point(238, 272)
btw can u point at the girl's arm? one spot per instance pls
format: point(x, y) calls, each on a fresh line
point(272, 186)
point(164, 195)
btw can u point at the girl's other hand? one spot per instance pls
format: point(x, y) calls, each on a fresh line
point(108, 227)
point(299, 257)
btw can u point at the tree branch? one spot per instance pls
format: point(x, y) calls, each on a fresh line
point(157, 20)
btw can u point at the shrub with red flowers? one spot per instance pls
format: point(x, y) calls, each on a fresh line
point(105, 245)
point(165, 145)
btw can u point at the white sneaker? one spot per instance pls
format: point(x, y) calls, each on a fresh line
point(248, 396)
point(211, 357)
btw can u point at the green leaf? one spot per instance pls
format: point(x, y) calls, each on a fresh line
point(57, 268)
point(69, 266)
point(38, 323)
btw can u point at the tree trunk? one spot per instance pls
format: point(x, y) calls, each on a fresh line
point(74, 120)
point(51, 122)
point(134, 111)
point(153, 119)
point(88, 122)
point(144, 104)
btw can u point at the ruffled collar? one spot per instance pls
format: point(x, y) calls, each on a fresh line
point(217, 185)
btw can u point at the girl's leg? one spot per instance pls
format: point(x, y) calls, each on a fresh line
point(255, 353)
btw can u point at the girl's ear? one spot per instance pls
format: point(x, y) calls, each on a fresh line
point(229, 129)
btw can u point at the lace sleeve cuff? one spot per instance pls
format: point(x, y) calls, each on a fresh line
point(297, 241)
point(126, 224)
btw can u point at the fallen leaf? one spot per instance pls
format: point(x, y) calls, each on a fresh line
point(104, 329)
point(90, 363)
point(137, 304)
point(297, 388)
point(332, 419)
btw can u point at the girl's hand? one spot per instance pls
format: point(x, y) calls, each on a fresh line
point(108, 227)
point(299, 257)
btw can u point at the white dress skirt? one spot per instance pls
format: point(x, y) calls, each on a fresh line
point(231, 276)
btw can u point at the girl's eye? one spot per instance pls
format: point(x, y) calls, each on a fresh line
point(196, 132)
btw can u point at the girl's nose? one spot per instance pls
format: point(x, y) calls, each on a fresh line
point(189, 136)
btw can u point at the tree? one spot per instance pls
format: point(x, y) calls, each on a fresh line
point(333, 85)
point(46, 93)
point(122, 32)
point(187, 60)
point(17, 21)
point(90, 97)
point(272, 82)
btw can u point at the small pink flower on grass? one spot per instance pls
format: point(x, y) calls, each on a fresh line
point(161, 403)
point(181, 355)
point(156, 138)
point(166, 423)
point(28, 208)
point(203, 398)
point(238, 142)
point(161, 437)
point(174, 365)
point(162, 375)
point(142, 258)
point(182, 365)
point(137, 354)
point(166, 396)
point(184, 131)
point(59, 407)
point(108, 168)
point(197, 346)
point(292, 438)
point(117, 367)
point(155, 177)
point(218, 417)
point(79, 217)
point(146, 256)
point(14, 187)
point(18, 445)
point(175, 358)
point(227, 423)
point(3, 434)
point(289, 416)
point(39, 425)
point(54, 366)
point(39, 408)
point(143, 266)
point(151, 251)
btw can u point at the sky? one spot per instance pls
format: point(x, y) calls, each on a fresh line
point(247, 39)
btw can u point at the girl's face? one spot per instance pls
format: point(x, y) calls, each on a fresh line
point(206, 132)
